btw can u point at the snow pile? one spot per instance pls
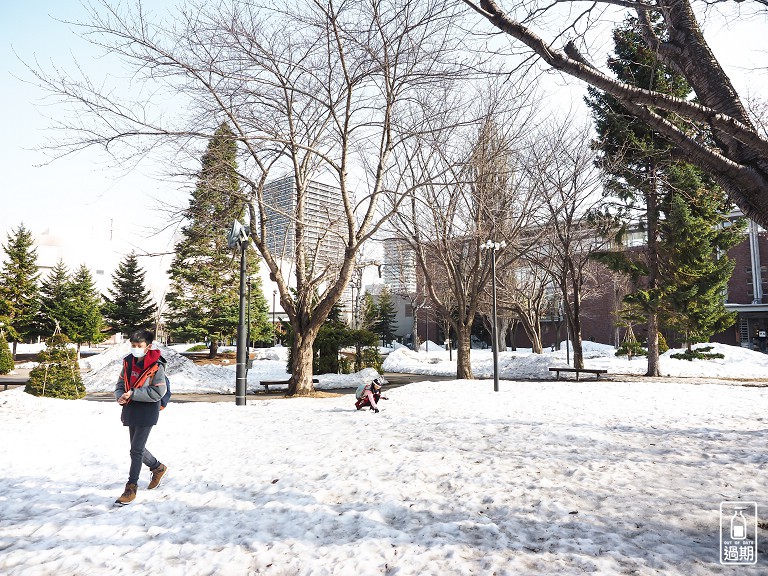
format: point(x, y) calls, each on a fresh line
point(430, 346)
point(185, 375)
point(430, 363)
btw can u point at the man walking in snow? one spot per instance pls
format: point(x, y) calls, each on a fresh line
point(139, 389)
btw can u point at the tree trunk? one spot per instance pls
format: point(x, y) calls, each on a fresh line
point(652, 215)
point(501, 340)
point(575, 320)
point(463, 352)
point(302, 354)
point(533, 331)
point(653, 345)
point(13, 352)
point(214, 349)
point(512, 335)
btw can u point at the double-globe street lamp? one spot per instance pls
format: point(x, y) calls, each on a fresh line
point(494, 247)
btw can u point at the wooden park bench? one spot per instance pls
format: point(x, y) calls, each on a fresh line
point(268, 383)
point(595, 371)
point(14, 384)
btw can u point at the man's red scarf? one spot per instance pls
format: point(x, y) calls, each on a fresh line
point(137, 377)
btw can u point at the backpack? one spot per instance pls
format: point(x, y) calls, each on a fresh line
point(167, 396)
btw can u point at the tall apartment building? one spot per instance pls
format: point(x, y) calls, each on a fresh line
point(399, 268)
point(323, 220)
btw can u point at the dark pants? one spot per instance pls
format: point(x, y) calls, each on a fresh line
point(139, 454)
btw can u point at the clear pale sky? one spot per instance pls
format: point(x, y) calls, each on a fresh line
point(83, 192)
point(81, 197)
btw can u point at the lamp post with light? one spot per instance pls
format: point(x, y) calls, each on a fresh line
point(493, 247)
point(238, 239)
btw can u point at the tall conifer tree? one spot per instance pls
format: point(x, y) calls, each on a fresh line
point(368, 315)
point(386, 323)
point(696, 237)
point(643, 172)
point(129, 306)
point(55, 300)
point(84, 323)
point(19, 295)
point(203, 300)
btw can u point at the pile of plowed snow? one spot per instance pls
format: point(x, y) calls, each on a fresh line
point(185, 375)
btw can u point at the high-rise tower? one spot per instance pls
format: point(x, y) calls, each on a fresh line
point(323, 220)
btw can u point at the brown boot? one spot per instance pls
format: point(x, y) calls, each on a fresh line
point(128, 495)
point(157, 475)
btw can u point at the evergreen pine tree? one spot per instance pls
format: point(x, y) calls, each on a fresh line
point(19, 295)
point(6, 358)
point(332, 337)
point(260, 329)
point(386, 324)
point(203, 300)
point(129, 306)
point(369, 313)
point(57, 374)
point(642, 174)
point(55, 300)
point(698, 278)
point(84, 323)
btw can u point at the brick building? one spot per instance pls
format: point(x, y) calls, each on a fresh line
point(745, 296)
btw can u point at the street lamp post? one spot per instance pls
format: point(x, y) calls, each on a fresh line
point(493, 247)
point(238, 238)
point(242, 351)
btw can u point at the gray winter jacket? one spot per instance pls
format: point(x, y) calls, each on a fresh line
point(144, 407)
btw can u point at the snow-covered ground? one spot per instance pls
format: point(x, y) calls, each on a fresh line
point(610, 477)
point(270, 364)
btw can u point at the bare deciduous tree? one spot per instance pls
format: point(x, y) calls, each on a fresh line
point(315, 89)
point(731, 149)
point(562, 169)
point(464, 192)
point(524, 289)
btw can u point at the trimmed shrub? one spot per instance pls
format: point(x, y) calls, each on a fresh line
point(663, 346)
point(702, 353)
point(58, 373)
point(631, 348)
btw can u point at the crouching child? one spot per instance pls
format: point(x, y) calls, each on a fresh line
point(369, 395)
